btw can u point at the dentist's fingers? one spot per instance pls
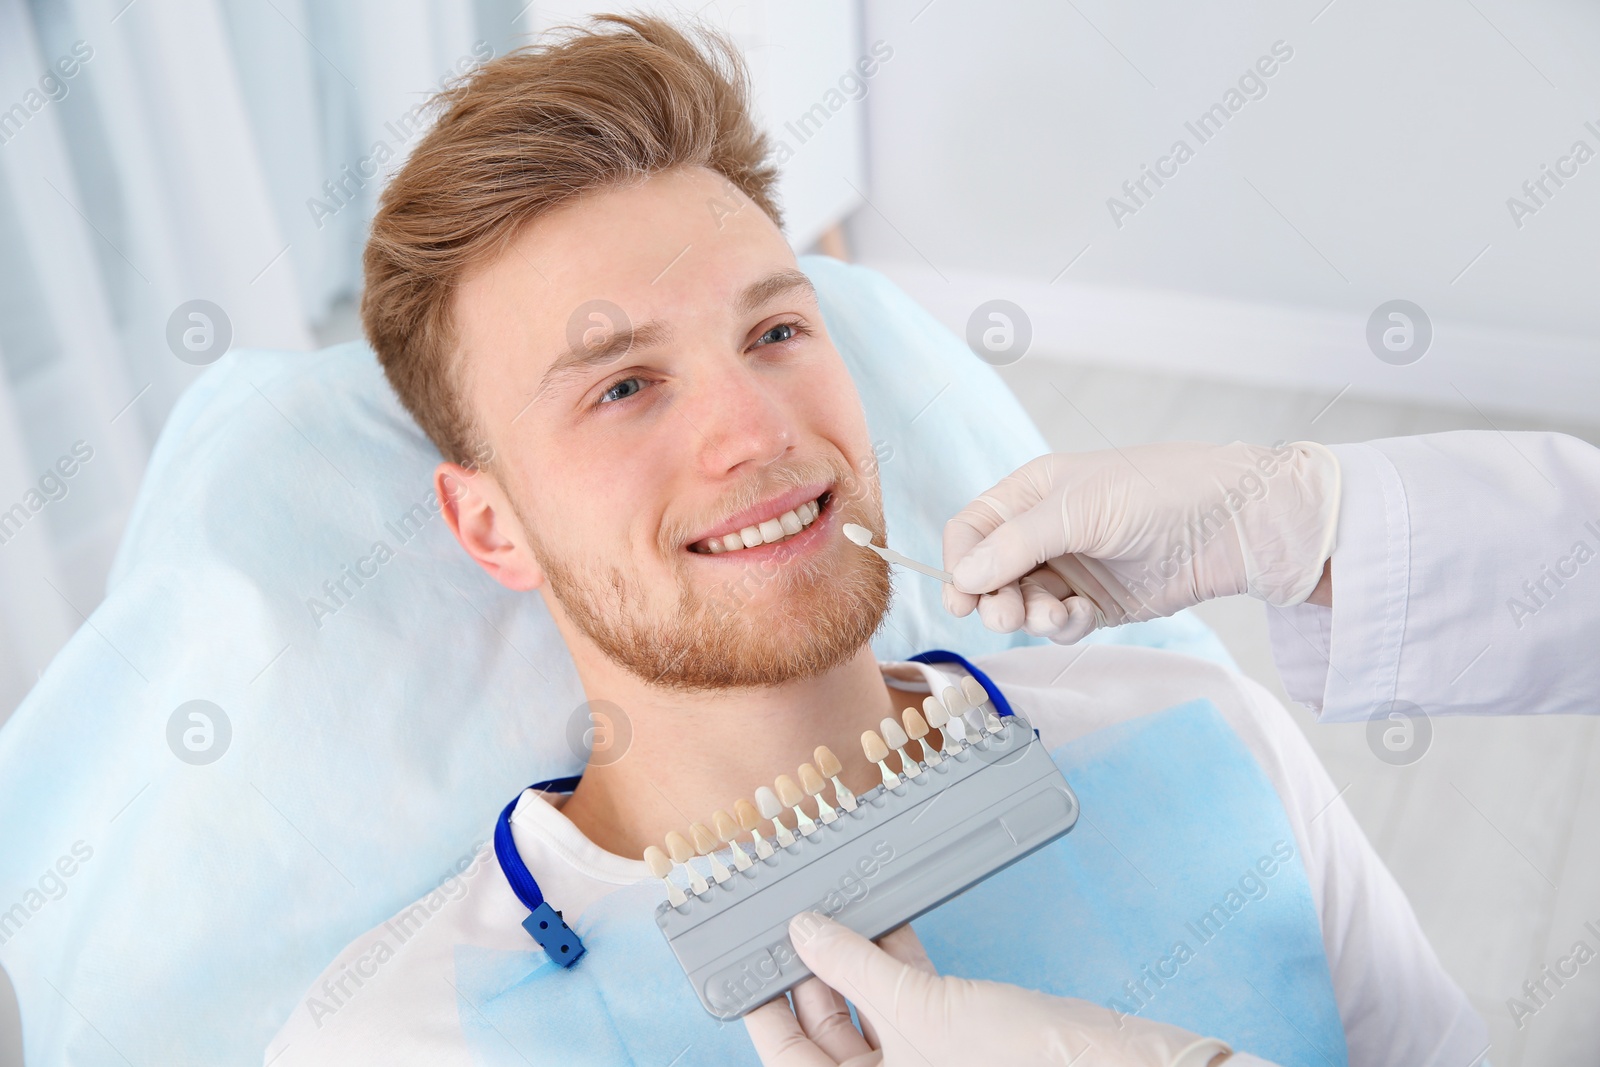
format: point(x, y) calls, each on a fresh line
point(958, 603)
point(1045, 609)
point(1055, 609)
point(780, 1040)
point(969, 527)
point(1013, 494)
point(1082, 621)
point(878, 983)
point(825, 1018)
point(1024, 541)
point(903, 944)
point(959, 537)
point(1003, 610)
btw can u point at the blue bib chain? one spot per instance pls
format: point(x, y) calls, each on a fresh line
point(544, 923)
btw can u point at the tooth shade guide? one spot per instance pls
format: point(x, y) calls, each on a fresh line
point(827, 762)
point(750, 821)
point(678, 847)
point(956, 704)
point(790, 795)
point(706, 844)
point(682, 852)
point(936, 855)
point(830, 766)
point(812, 782)
point(917, 730)
point(873, 747)
point(877, 752)
point(768, 804)
point(860, 535)
point(788, 792)
point(895, 737)
point(892, 732)
point(939, 717)
point(660, 865)
point(727, 831)
point(978, 697)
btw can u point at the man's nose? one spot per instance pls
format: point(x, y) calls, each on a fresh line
point(741, 420)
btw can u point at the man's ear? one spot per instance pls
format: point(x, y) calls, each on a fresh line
point(480, 515)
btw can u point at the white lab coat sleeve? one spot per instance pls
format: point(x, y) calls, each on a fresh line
point(1466, 580)
point(1398, 1004)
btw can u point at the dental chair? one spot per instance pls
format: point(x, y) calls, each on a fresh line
point(301, 704)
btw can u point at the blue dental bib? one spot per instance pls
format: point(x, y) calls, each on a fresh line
point(1179, 897)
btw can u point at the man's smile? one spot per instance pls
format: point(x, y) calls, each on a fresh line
point(790, 521)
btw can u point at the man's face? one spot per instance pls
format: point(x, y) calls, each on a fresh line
point(652, 374)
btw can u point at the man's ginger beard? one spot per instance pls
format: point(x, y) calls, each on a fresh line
point(821, 614)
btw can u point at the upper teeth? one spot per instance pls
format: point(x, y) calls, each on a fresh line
point(765, 533)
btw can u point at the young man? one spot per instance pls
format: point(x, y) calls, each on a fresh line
point(578, 286)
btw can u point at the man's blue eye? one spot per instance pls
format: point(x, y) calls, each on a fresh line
point(778, 334)
point(622, 390)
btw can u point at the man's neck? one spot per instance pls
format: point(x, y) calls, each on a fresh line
point(691, 754)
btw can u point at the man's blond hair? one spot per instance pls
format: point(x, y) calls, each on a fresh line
point(619, 100)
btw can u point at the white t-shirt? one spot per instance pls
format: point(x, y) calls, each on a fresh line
point(389, 998)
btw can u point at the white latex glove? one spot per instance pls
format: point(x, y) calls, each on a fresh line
point(1074, 541)
point(913, 1017)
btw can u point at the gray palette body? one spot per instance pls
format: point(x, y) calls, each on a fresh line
point(900, 853)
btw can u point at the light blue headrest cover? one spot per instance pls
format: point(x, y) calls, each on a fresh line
point(165, 912)
point(1179, 896)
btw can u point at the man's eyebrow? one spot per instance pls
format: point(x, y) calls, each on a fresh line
point(775, 284)
point(581, 357)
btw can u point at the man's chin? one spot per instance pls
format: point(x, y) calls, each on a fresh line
point(781, 632)
point(786, 635)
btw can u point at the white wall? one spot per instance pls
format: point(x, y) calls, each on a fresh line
point(1377, 165)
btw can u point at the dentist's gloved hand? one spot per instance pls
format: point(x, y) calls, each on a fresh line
point(1075, 541)
point(912, 1017)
